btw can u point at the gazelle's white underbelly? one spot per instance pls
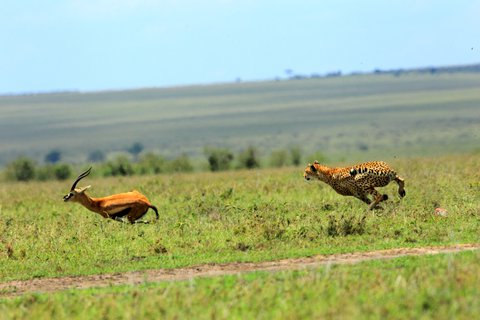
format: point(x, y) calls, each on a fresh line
point(114, 210)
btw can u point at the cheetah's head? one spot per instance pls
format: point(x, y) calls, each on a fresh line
point(311, 171)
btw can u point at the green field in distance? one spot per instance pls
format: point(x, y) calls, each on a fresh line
point(346, 118)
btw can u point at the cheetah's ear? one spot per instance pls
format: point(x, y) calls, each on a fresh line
point(313, 168)
point(316, 162)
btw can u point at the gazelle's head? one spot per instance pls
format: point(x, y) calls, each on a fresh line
point(311, 171)
point(74, 192)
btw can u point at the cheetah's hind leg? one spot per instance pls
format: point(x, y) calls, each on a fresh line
point(377, 198)
point(364, 198)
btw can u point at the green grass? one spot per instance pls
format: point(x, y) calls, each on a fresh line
point(252, 215)
point(232, 216)
point(414, 114)
point(428, 287)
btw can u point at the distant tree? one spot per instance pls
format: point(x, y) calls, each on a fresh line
point(296, 154)
point(53, 156)
point(249, 158)
point(135, 149)
point(218, 159)
point(397, 73)
point(334, 74)
point(362, 146)
point(279, 158)
point(96, 156)
point(21, 169)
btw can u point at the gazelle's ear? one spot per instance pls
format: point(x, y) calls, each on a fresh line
point(82, 190)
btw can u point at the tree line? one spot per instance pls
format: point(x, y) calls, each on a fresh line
point(138, 162)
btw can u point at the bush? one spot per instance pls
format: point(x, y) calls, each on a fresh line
point(181, 164)
point(279, 158)
point(362, 146)
point(151, 163)
point(345, 226)
point(296, 154)
point(21, 169)
point(62, 171)
point(120, 166)
point(50, 172)
point(249, 159)
point(218, 159)
point(44, 173)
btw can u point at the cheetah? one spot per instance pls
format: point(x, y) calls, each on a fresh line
point(358, 181)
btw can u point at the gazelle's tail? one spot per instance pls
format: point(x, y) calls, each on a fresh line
point(155, 209)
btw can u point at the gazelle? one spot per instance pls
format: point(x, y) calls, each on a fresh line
point(132, 205)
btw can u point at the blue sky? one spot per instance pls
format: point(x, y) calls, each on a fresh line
point(91, 45)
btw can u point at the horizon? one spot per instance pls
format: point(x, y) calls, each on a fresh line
point(105, 45)
point(191, 85)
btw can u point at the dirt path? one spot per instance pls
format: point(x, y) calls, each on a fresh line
point(15, 288)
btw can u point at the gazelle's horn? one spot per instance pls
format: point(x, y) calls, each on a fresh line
point(80, 177)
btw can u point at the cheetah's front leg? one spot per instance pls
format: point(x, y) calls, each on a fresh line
point(401, 186)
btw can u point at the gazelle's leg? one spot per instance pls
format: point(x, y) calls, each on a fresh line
point(377, 198)
point(121, 219)
point(141, 221)
point(105, 214)
point(136, 214)
point(120, 216)
point(401, 186)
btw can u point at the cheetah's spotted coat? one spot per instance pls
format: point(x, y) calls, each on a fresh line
point(358, 181)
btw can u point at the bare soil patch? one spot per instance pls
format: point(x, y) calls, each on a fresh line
point(43, 285)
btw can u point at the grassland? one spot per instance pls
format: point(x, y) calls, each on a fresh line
point(250, 216)
point(348, 118)
point(232, 216)
point(427, 127)
point(430, 287)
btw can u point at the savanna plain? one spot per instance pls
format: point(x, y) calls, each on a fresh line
point(256, 215)
point(250, 216)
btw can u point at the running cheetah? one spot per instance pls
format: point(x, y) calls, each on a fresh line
point(358, 181)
